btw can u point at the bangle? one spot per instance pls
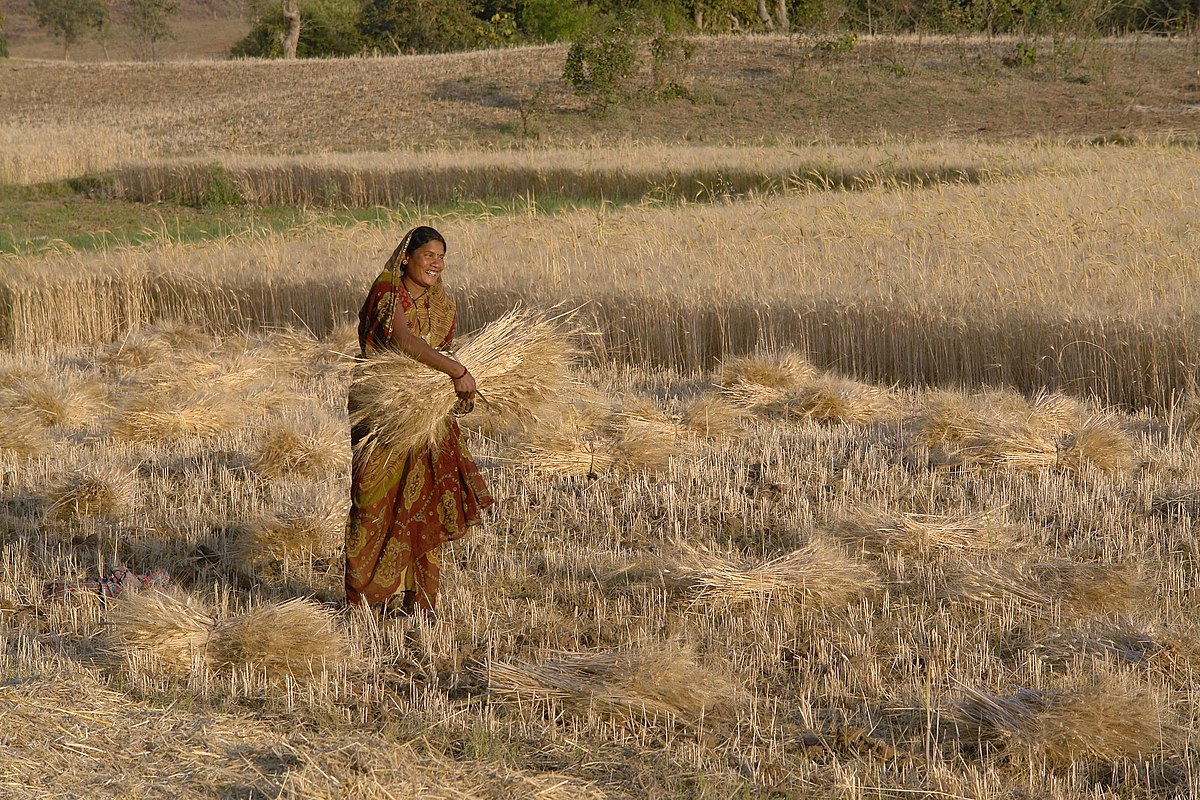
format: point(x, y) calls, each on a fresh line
point(463, 375)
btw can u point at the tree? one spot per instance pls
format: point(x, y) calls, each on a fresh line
point(68, 20)
point(420, 26)
point(329, 29)
point(3, 39)
point(290, 38)
point(150, 20)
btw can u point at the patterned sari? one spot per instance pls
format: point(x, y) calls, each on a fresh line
point(405, 505)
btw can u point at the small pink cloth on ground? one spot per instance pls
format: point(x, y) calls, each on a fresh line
point(108, 586)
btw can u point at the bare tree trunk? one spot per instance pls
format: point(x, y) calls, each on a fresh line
point(781, 16)
point(291, 39)
point(698, 17)
point(765, 15)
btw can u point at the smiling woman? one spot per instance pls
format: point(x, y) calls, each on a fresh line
point(405, 505)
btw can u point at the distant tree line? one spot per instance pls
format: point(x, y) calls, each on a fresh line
point(346, 27)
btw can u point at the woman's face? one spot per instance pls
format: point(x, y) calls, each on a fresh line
point(425, 264)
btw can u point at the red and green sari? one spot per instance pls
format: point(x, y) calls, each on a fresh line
point(404, 506)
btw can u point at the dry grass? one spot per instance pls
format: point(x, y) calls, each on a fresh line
point(647, 685)
point(1039, 587)
point(519, 362)
point(714, 417)
point(156, 418)
point(1102, 443)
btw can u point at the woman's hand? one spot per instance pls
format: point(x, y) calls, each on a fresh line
point(464, 387)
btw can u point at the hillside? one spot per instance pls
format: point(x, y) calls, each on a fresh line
point(746, 88)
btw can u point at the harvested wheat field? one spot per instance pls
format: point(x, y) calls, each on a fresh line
point(824, 467)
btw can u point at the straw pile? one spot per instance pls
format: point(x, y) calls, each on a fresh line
point(998, 443)
point(305, 446)
point(919, 534)
point(179, 635)
point(714, 417)
point(654, 684)
point(1101, 442)
point(1081, 588)
point(818, 575)
point(519, 362)
point(822, 397)
point(154, 418)
point(99, 490)
point(307, 531)
point(787, 369)
point(1104, 721)
point(296, 637)
point(22, 435)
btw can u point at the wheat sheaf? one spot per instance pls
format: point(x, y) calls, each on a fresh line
point(519, 362)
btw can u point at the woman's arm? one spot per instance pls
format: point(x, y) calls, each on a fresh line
point(416, 347)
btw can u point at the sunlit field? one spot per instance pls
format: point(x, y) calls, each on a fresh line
point(875, 476)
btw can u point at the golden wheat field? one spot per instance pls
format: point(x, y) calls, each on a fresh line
point(875, 474)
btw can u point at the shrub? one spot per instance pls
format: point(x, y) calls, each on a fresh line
point(419, 26)
point(553, 20)
point(600, 63)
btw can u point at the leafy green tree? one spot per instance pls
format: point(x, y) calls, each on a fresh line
point(330, 29)
point(150, 20)
point(420, 26)
point(68, 20)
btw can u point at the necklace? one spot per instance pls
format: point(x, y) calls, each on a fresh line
point(417, 308)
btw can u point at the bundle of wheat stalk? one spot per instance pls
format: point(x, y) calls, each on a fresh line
point(823, 397)
point(296, 533)
point(305, 446)
point(714, 417)
point(22, 435)
point(950, 418)
point(650, 683)
point(519, 362)
point(179, 635)
point(96, 491)
point(818, 575)
point(1101, 442)
point(151, 417)
point(1105, 721)
point(56, 402)
point(173, 632)
point(788, 369)
point(1037, 586)
point(915, 534)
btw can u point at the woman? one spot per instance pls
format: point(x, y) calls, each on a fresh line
point(405, 505)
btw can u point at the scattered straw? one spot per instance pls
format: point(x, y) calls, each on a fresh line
point(1081, 588)
point(519, 362)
